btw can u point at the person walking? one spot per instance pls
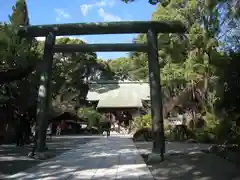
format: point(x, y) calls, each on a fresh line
point(49, 130)
point(34, 147)
point(33, 130)
point(19, 137)
point(19, 129)
point(59, 128)
point(108, 128)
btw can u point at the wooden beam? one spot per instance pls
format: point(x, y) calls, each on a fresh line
point(155, 95)
point(123, 27)
point(101, 47)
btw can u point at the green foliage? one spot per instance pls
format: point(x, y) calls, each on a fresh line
point(196, 58)
point(230, 78)
point(120, 67)
point(210, 122)
point(218, 130)
point(20, 13)
point(18, 53)
point(71, 71)
point(204, 137)
point(143, 122)
point(15, 52)
point(93, 117)
point(209, 131)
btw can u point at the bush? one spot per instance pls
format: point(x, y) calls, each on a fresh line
point(143, 127)
point(228, 130)
point(216, 129)
point(210, 122)
point(143, 122)
point(213, 129)
point(92, 116)
point(143, 134)
point(204, 137)
point(207, 133)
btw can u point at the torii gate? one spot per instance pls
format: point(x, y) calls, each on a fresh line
point(152, 28)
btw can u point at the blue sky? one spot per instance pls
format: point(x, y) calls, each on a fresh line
point(62, 11)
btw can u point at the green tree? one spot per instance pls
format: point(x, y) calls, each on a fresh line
point(18, 58)
point(92, 117)
point(20, 14)
point(71, 73)
point(120, 67)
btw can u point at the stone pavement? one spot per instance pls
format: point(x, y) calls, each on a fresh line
point(186, 161)
point(15, 159)
point(115, 157)
point(173, 147)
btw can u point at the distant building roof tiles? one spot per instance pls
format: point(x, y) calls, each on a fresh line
point(119, 94)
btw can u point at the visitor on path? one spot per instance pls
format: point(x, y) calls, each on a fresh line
point(180, 117)
point(181, 128)
point(28, 131)
point(117, 127)
point(34, 147)
point(33, 130)
point(19, 136)
point(49, 131)
point(59, 129)
point(108, 128)
point(18, 129)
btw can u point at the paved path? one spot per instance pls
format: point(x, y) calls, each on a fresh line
point(185, 161)
point(115, 157)
point(173, 147)
point(15, 159)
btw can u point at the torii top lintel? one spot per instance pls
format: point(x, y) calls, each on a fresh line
point(123, 27)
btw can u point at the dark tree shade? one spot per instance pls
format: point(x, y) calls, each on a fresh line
point(231, 97)
point(15, 74)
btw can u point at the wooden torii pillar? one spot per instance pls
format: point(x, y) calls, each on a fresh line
point(155, 94)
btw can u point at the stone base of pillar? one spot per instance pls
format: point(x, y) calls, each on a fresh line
point(154, 158)
point(41, 155)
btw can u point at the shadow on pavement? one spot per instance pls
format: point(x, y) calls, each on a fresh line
point(107, 158)
point(117, 157)
point(192, 167)
point(15, 159)
point(189, 163)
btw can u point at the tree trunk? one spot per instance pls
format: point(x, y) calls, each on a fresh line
point(182, 97)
